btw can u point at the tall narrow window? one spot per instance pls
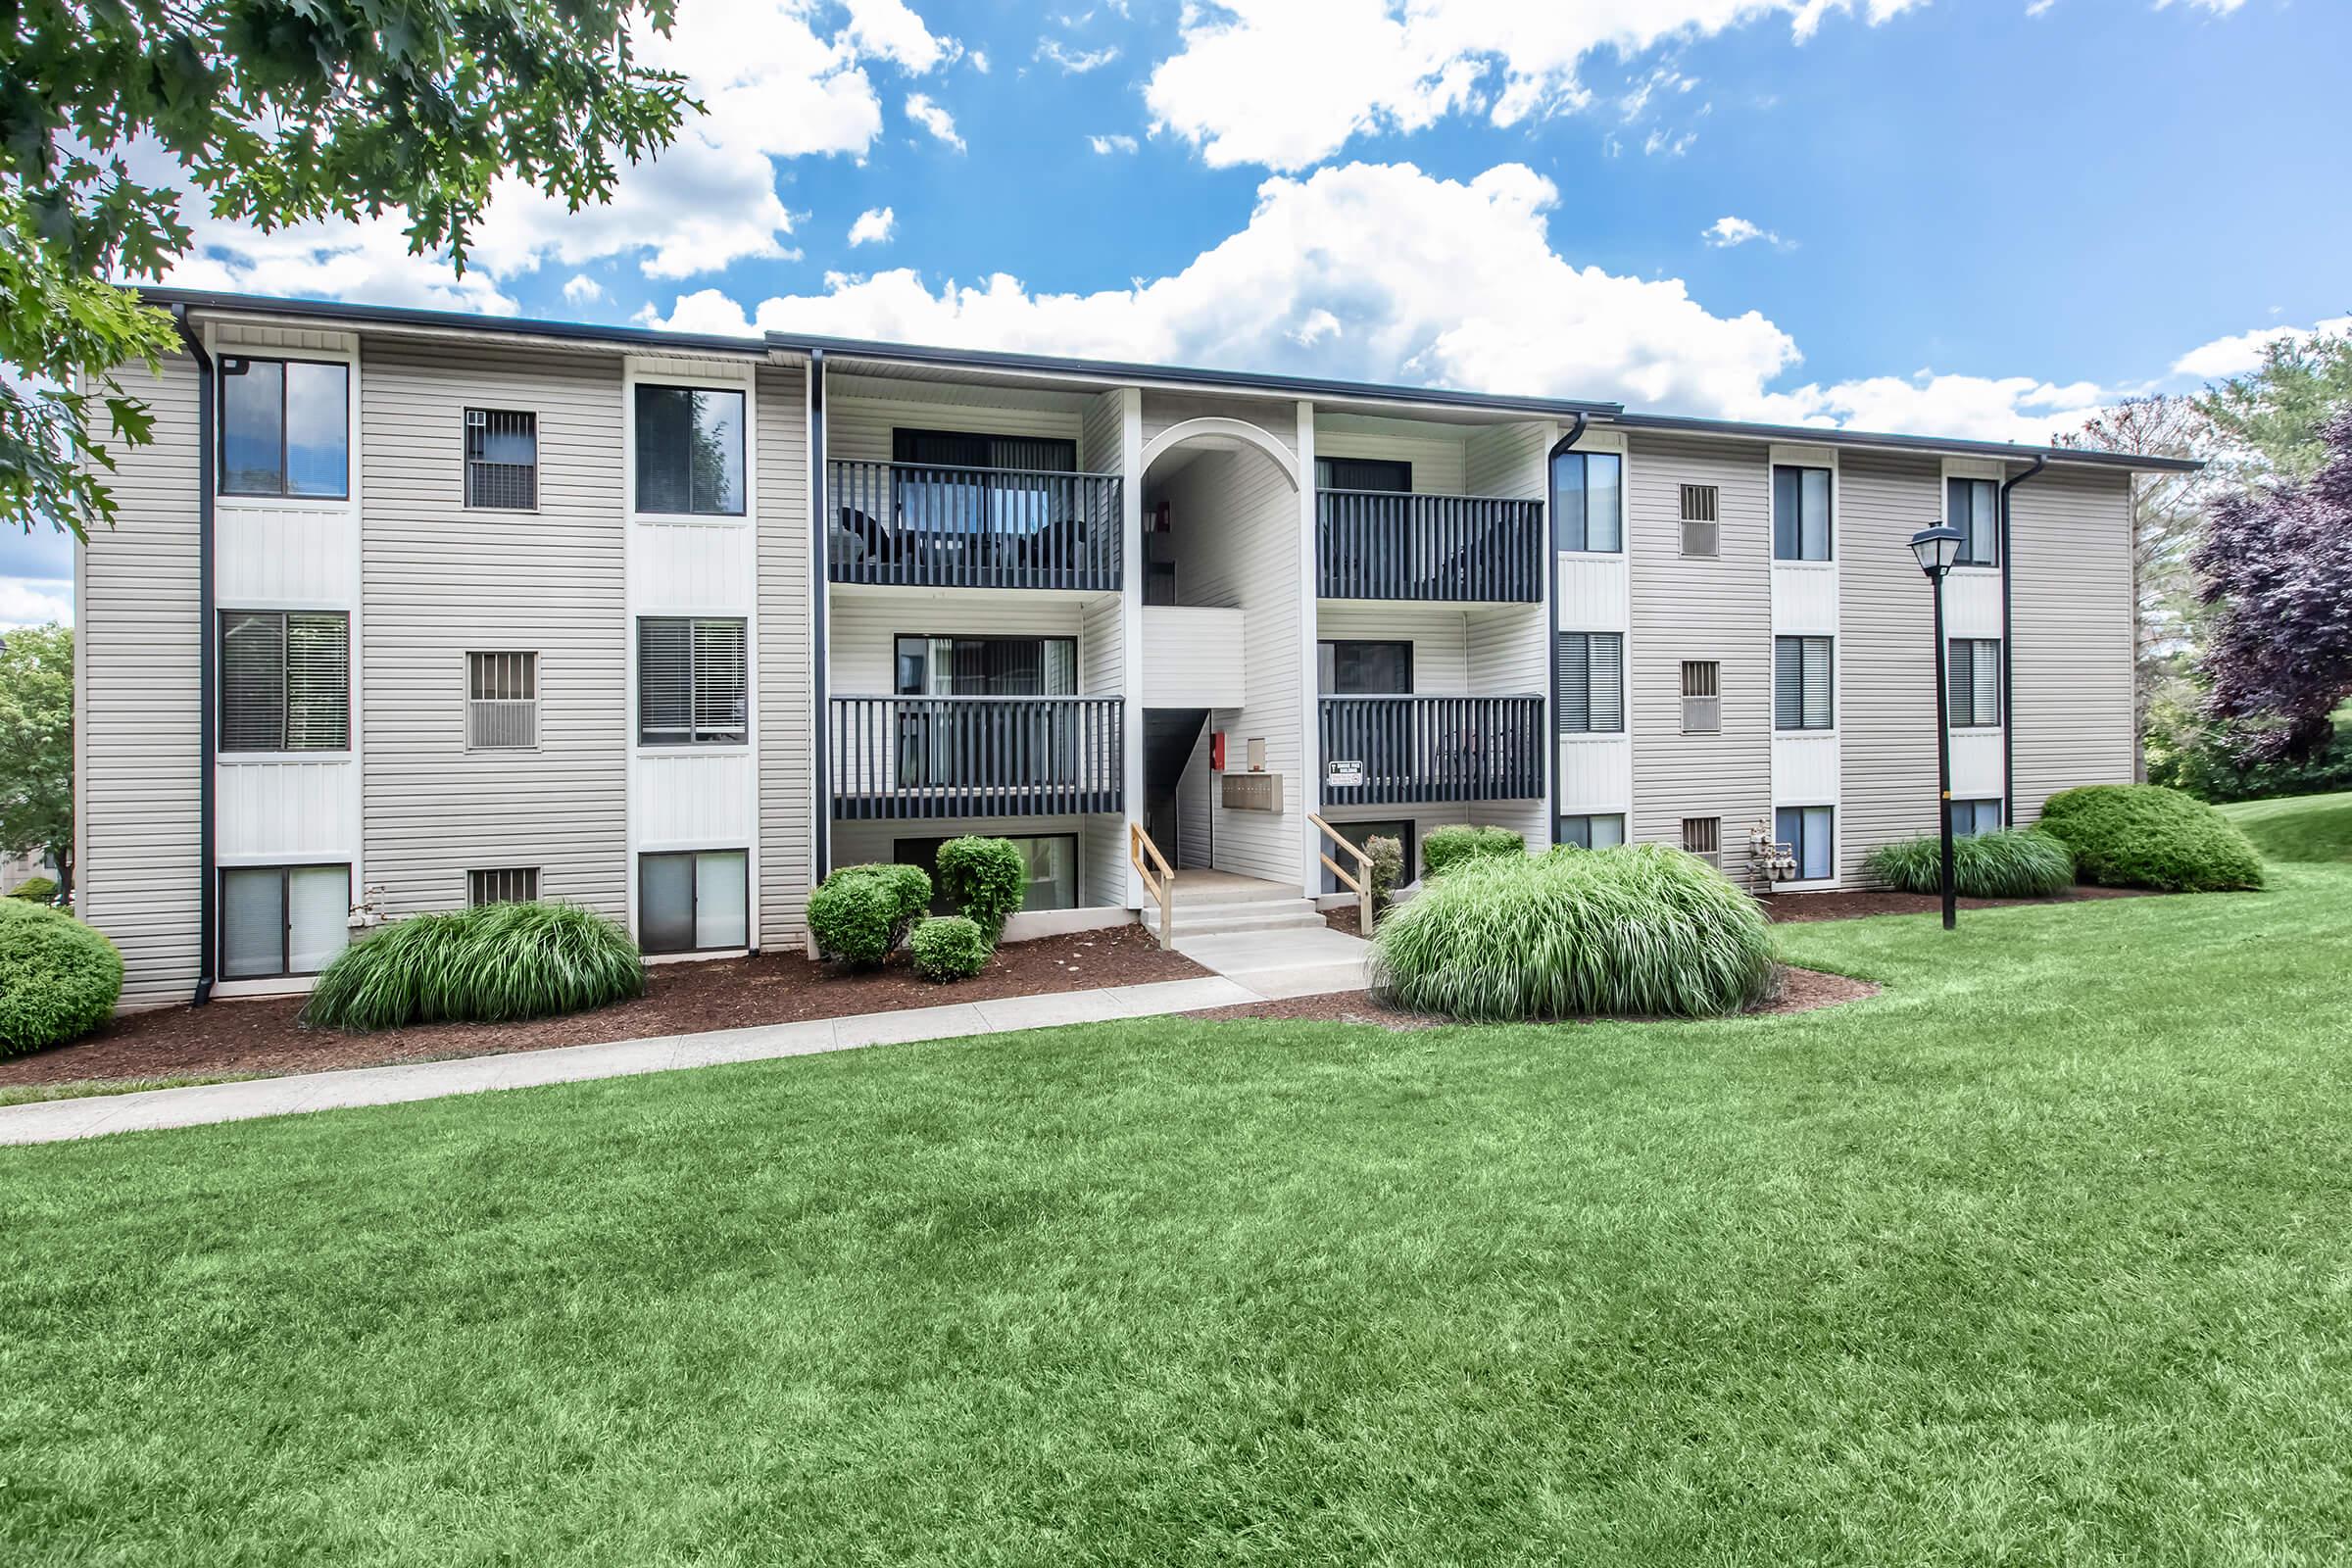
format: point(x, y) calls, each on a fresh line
point(1699, 505)
point(502, 460)
point(285, 428)
point(1588, 502)
point(282, 919)
point(505, 884)
point(1591, 669)
point(692, 683)
point(285, 681)
point(1801, 683)
point(502, 711)
point(1810, 832)
point(693, 903)
point(1974, 506)
point(1702, 836)
point(1703, 697)
point(1593, 832)
point(690, 450)
point(1973, 667)
point(1802, 528)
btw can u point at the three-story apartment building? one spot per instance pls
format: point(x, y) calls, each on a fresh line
point(419, 610)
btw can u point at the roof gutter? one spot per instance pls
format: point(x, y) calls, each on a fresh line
point(1551, 613)
point(2009, 651)
point(207, 658)
point(820, 593)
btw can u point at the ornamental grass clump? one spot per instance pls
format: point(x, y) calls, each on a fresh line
point(2014, 864)
point(1445, 848)
point(1575, 933)
point(58, 977)
point(498, 963)
point(2146, 836)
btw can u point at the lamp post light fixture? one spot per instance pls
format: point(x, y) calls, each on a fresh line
point(1936, 549)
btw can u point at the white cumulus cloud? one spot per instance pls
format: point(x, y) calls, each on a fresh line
point(581, 289)
point(1727, 232)
point(34, 601)
point(874, 225)
point(1111, 144)
point(1237, 89)
point(932, 119)
point(2241, 352)
point(1075, 62)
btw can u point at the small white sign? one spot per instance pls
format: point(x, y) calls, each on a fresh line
point(1346, 774)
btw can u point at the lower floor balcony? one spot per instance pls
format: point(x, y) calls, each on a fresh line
point(940, 756)
point(1380, 751)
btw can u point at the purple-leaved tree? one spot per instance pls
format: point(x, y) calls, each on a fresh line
point(2276, 564)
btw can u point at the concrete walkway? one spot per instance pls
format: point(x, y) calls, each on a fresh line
point(53, 1120)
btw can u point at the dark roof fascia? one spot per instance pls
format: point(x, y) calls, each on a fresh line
point(465, 321)
point(1834, 436)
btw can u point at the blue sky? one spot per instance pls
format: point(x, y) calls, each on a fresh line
point(1971, 217)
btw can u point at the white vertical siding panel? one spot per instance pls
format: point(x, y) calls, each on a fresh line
point(281, 813)
point(1972, 602)
point(694, 568)
point(2070, 544)
point(136, 648)
point(1592, 592)
point(693, 800)
point(1975, 766)
point(266, 555)
point(787, 715)
point(439, 581)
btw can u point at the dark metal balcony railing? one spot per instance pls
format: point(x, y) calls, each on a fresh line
point(1434, 748)
point(903, 756)
point(913, 526)
point(1379, 543)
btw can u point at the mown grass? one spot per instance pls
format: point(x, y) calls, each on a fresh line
point(86, 1088)
point(2039, 1257)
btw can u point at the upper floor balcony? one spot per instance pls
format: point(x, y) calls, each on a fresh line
point(917, 525)
point(1383, 544)
point(1380, 751)
point(918, 756)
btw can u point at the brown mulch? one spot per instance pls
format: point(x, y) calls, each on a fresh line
point(1795, 909)
point(1802, 990)
point(260, 1035)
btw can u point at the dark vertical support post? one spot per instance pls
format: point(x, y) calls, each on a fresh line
point(2008, 643)
point(208, 655)
point(821, 590)
point(1943, 764)
point(1551, 615)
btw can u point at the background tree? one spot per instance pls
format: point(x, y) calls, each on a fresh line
point(2279, 580)
point(2269, 419)
point(36, 745)
point(279, 111)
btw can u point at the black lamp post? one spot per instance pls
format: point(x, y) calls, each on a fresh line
point(1936, 549)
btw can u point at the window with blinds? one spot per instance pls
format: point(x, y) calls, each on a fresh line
point(285, 681)
point(1801, 683)
point(502, 701)
point(1699, 536)
point(1810, 832)
point(1801, 514)
point(1973, 667)
point(1702, 836)
point(1591, 669)
point(505, 884)
point(502, 460)
point(282, 919)
point(693, 687)
point(1974, 506)
point(1702, 698)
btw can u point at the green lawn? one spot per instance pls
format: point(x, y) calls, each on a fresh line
point(2043, 1255)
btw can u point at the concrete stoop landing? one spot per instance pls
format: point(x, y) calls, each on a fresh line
point(1266, 935)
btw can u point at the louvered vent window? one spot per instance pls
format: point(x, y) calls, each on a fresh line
point(1974, 665)
point(505, 884)
point(1699, 537)
point(285, 681)
point(1702, 701)
point(1590, 668)
point(693, 687)
point(502, 460)
point(1702, 836)
point(502, 701)
point(1801, 683)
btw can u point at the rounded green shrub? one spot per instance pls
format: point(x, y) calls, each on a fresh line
point(948, 946)
point(2014, 864)
point(1573, 933)
point(34, 890)
point(495, 964)
point(1445, 848)
point(985, 879)
point(854, 918)
point(2145, 836)
point(59, 979)
point(1387, 855)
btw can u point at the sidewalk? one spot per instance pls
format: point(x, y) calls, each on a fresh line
point(54, 1120)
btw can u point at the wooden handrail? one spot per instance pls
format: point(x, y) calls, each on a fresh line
point(1161, 888)
point(1360, 883)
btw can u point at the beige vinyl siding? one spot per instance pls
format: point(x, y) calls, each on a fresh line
point(1103, 434)
point(1277, 418)
point(1441, 662)
point(1102, 671)
point(1237, 523)
point(865, 628)
point(437, 581)
point(786, 691)
point(1507, 460)
point(857, 429)
point(1885, 666)
point(1718, 609)
point(1437, 459)
point(137, 644)
point(2071, 539)
point(1195, 798)
point(1510, 646)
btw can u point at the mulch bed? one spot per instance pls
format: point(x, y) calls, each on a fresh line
point(260, 1036)
point(1802, 990)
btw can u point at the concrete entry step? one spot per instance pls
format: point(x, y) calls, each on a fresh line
point(1228, 887)
point(1218, 920)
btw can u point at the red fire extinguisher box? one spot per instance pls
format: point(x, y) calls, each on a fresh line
point(1216, 751)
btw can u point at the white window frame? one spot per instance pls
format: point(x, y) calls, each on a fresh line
point(703, 375)
point(1968, 468)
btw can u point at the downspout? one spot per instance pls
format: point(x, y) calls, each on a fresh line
point(822, 843)
point(207, 658)
point(1551, 599)
point(2042, 460)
